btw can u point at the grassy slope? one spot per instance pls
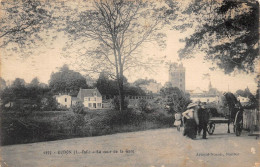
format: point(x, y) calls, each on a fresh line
point(54, 125)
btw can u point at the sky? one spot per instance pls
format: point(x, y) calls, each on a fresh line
point(46, 60)
point(43, 64)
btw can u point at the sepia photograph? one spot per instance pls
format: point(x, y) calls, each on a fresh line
point(129, 83)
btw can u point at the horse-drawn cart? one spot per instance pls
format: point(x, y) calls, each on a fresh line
point(238, 125)
point(212, 123)
point(233, 115)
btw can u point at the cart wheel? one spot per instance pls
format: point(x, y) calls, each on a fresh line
point(238, 129)
point(211, 128)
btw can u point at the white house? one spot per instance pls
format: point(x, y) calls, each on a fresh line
point(64, 100)
point(91, 98)
point(203, 96)
point(243, 99)
point(206, 98)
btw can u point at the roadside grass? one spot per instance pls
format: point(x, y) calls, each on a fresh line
point(56, 125)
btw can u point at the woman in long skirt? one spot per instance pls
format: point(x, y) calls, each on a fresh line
point(190, 121)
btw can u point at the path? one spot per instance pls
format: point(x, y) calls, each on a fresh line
point(152, 148)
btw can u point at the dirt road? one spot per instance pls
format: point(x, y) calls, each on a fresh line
point(152, 148)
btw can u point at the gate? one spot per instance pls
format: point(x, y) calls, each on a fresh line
point(251, 120)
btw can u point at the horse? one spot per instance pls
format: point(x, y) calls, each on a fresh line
point(235, 114)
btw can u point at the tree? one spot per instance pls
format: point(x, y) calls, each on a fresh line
point(2, 84)
point(18, 82)
point(106, 86)
point(22, 23)
point(67, 81)
point(174, 99)
point(109, 87)
point(26, 97)
point(133, 91)
point(117, 29)
point(226, 31)
point(244, 93)
point(140, 81)
point(35, 82)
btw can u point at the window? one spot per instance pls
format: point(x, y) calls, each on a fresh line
point(89, 104)
point(65, 99)
point(99, 104)
point(95, 99)
point(180, 79)
point(89, 99)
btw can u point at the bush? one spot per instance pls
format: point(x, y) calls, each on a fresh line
point(116, 103)
point(49, 103)
point(143, 105)
point(78, 108)
point(79, 123)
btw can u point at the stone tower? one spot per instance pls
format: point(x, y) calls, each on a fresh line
point(177, 76)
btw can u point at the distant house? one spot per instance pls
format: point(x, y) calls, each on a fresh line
point(243, 100)
point(203, 96)
point(91, 98)
point(75, 100)
point(64, 100)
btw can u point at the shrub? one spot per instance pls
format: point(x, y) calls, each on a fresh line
point(116, 104)
point(143, 105)
point(79, 123)
point(48, 103)
point(78, 108)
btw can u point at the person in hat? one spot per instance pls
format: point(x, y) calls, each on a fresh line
point(203, 115)
point(191, 120)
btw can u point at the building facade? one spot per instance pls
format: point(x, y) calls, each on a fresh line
point(177, 76)
point(64, 100)
point(91, 98)
point(210, 96)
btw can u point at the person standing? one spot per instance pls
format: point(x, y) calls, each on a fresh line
point(177, 121)
point(203, 115)
point(191, 120)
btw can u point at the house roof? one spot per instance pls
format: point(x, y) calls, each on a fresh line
point(61, 95)
point(75, 99)
point(88, 93)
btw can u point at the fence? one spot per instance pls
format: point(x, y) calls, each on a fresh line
point(251, 120)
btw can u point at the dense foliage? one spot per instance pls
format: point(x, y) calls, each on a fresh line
point(27, 97)
point(109, 87)
point(226, 31)
point(67, 81)
point(174, 99)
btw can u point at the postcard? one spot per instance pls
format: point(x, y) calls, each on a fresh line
point(129, 83)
